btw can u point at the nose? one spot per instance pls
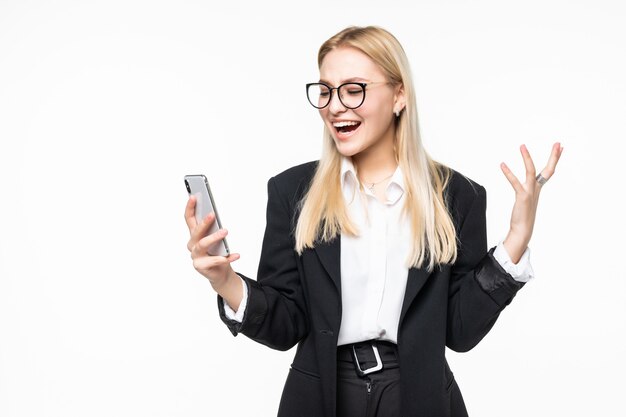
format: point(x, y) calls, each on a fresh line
point(336, 106)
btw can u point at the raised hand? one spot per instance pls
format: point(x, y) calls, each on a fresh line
point(526, 200)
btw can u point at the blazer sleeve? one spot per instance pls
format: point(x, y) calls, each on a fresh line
point(275, 314)
point(479, 287)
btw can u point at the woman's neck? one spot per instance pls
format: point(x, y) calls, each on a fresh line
point(374, 165)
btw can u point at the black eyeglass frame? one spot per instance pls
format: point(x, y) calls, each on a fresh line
point(330, 97)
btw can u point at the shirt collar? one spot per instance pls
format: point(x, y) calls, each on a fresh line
point(350, 182)
point(348, 173)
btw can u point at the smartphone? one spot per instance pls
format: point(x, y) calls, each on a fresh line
point(199, 186)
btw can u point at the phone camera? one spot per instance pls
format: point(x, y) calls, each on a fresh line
point(187, 185)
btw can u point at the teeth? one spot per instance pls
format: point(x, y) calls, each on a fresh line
point(344, 124)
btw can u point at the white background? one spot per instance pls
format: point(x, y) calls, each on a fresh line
point(106, 105)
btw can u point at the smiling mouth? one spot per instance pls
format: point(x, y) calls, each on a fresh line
point(346, 127)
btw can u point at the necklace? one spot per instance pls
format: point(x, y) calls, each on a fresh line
point(370, 185)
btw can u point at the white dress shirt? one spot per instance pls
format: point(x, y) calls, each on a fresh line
point(374, 268)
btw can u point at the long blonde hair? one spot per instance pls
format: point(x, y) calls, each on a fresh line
point(324, 213)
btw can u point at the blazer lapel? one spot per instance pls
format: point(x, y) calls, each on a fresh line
point(415, 282)
point(329, 254)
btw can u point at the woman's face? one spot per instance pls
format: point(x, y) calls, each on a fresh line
point(371, 126)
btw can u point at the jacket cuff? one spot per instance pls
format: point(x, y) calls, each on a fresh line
point(522, 271)
point(253, 315)
point(495, 281)
point(238, 315)
point(233, 325)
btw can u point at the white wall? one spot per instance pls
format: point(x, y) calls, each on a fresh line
point(105, 105)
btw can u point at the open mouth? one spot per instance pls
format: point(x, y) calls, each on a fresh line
point(346, 127)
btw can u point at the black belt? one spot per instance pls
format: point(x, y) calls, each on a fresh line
point(370, 356)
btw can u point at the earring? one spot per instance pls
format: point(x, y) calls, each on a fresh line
point(397, 113)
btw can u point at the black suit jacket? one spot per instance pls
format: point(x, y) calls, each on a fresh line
point(296, 299)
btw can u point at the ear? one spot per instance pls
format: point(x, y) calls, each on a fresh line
point(399, 99)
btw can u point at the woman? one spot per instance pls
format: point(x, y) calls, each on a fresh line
point(374, 258)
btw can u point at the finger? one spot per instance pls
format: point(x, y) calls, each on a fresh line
point(202, 228)
point(207, 262)
point(517, 186)
point(203, 263)
point(528, 163)
point(190, 213)
point(233, 257)
point(205, 243)
point(555, 155)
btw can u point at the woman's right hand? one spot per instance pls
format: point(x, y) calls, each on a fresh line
point(215, 268)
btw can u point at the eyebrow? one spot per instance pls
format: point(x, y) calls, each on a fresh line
point(347, 80)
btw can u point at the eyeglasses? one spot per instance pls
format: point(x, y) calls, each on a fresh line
point(351, 95)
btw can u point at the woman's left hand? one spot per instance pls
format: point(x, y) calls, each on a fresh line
point(526, 200)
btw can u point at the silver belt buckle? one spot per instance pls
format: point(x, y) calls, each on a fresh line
point(376, 368)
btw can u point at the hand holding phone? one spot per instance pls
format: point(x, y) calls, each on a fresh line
point(198, 186)
point(207, 244)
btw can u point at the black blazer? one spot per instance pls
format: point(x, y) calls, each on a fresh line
point(296, 299)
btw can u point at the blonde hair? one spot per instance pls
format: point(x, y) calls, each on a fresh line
point(324, 213)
